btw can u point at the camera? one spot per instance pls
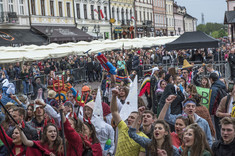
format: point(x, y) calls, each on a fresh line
point(230, 86)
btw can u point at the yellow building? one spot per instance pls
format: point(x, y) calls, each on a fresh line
point(122, 11)
point(55, 20)
point(170, 18)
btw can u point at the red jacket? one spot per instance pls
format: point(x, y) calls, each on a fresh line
point(38, 149)
point(74, 140)
point(12, 145)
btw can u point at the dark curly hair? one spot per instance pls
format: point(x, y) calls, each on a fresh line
point(166, 145)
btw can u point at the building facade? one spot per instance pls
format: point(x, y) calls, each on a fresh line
point(179, 13)
point(170, 18)
point(144, 18)
point(231, 25)
point(190, 23)
point(159, 11)
point(92, 16)
point(123, 13)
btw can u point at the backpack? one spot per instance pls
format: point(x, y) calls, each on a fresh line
point(220, 95)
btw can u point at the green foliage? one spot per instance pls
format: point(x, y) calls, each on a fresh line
point(216, 30)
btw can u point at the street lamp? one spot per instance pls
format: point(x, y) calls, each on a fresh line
point(96, 30)
point(49, 31)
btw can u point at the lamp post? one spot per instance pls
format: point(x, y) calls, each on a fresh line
point(49, 31)
point(96, 30)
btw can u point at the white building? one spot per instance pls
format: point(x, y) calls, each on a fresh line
point(170, 18)
point(190, 23)
point(144, 20)
point(89, 17)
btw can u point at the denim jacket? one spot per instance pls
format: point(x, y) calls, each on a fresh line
point(170, 118)
point(145, 141)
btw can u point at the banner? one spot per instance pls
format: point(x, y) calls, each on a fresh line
point(205, 93)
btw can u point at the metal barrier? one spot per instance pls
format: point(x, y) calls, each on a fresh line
point(79, 75)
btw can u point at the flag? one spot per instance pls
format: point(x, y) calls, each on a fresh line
point(101, 14)
point(132, 17)
point(205, 93)
point(96, 11)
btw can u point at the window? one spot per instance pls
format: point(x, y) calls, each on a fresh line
point(140, 16)
point(78, 11)
point(85, 11)
point(68, 9)
point(118, 14)
point(99, 17)
point(52, 8)
point(92, 12)
point(60, 9)
point(105, 13)
point(151, 15)
point(33, 7)
point(10, 3)
point(131, 14)
point(1, 6)
point(148, 16)
point(122, 12)
point(144, 16)
point(43, 7)
point(113, 13)
point(126, 14)
point(21, 4)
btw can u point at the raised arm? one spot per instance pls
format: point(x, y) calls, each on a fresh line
point(114, 107)
point(143, 141)
point(168, 101)
point(24, 139)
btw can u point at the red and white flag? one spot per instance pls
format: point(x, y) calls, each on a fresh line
point(101, 14)
point(96, 11)
point(132, 17)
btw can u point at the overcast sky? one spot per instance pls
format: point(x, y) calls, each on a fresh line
point(213, 9)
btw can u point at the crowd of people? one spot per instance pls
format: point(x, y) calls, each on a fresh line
point(170, 118)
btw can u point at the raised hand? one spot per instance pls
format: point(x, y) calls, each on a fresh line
point(170, 99)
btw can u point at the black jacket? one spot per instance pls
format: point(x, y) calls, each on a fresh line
point(221, 149)
point(176, 105)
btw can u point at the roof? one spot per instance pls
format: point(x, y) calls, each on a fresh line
point(193, 40)
point(229, 17)
point(187, 15)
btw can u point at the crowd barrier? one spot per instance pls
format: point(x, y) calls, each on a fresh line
point(79, 75)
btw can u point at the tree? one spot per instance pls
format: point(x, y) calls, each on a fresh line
point(216, 30)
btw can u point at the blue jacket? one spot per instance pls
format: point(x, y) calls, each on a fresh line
point(145, 141)
point(215, 87)
point(200, 121)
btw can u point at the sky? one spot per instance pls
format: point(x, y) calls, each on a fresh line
point(213, 9)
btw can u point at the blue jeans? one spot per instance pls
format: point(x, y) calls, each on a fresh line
point(25, 87)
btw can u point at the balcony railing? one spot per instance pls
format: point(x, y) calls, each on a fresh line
point(8, 17)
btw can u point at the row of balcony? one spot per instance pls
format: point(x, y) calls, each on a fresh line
point(9, 18)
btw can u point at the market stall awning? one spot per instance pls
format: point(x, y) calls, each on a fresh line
point(229, 17)
point(20, 37)
point(193, 40)
point(64, 34)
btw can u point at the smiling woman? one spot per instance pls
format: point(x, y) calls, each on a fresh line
point(195, 142)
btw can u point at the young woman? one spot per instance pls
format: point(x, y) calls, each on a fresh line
point(180, 124)
point(50, 144)
point(24, 75)
point(195, 142)
point(29, 114)
point(161, 139)
point(205, 82)
point(15, 143)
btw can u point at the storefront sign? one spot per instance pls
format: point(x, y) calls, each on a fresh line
point(140, 29)
point(118, 30)
point(6, 36)
point(66, 32)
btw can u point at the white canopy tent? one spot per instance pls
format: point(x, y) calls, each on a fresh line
point(33, 52)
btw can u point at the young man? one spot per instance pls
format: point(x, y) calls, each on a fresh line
point(125, 146)
point(210, 69)
point(189, 108)
point(225, 146)
point(19, 114)
point(147, 122)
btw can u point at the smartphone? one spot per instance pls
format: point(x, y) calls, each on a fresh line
point(230, 86)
